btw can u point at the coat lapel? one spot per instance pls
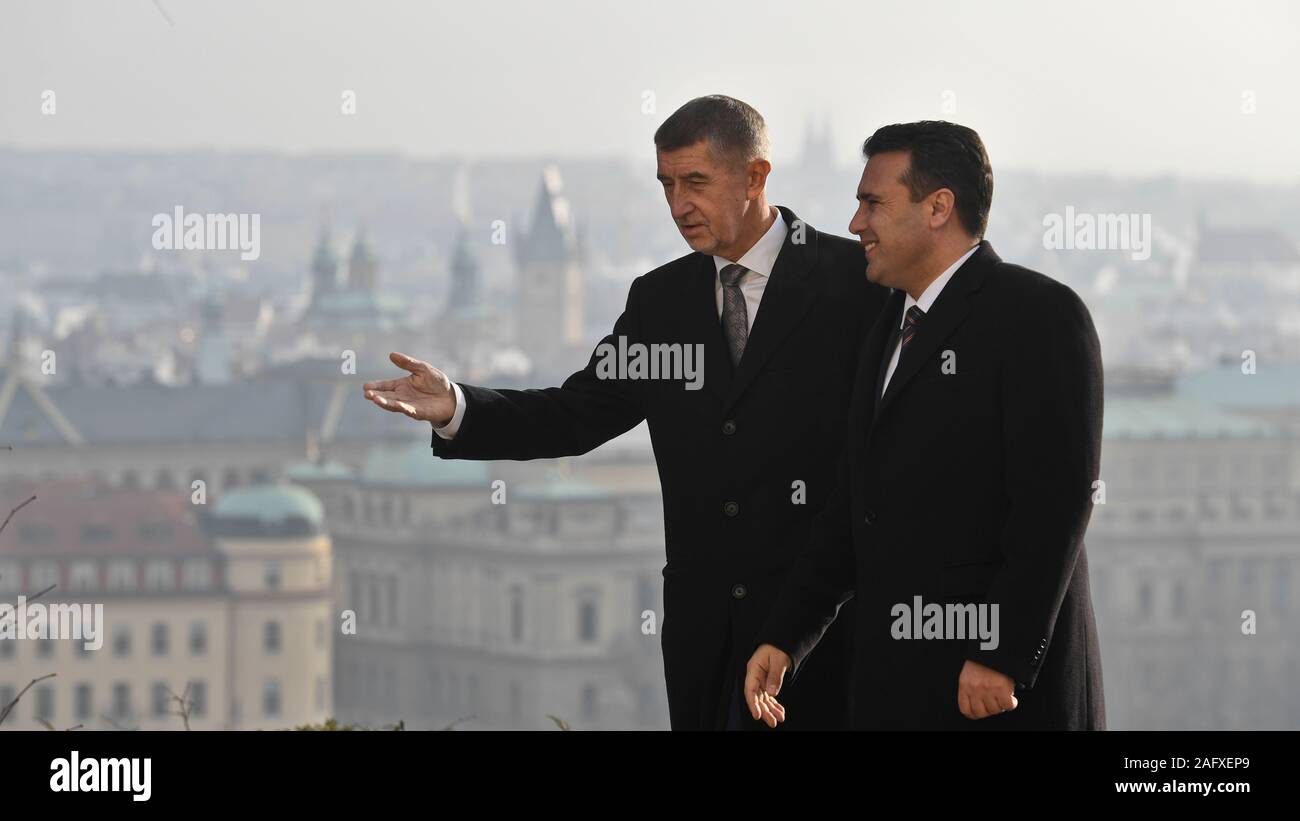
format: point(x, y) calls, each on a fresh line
point(866, 386)
point(703, 325)
point(944, 317)
point(786, 298)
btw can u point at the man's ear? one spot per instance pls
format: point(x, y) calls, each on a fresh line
point(942, 203)
point(756, 178)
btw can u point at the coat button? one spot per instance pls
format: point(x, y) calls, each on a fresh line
point(731, 508)
point(871, 517)
point(738, 592)
point(728, 427)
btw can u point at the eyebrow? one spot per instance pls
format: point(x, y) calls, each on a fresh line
point(693, 176)
point(864, 196)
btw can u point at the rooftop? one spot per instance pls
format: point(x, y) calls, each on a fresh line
point(81, 517)
point(1175, 417)
point(415, 466)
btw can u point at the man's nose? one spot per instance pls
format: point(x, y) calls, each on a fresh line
point(680, 206)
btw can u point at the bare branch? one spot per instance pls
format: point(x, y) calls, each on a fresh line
point(183, 705)
point(15, 510)
point(459, 721)
point(110, 722)
point(11, 705)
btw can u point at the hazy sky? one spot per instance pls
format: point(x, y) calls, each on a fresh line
point(1122, 87)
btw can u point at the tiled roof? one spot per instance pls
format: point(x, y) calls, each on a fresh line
point(258, 411)
point(80, 517)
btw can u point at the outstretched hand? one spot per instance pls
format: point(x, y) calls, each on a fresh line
point(425, 394)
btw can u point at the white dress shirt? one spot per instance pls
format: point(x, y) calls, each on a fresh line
point(759, 259)
point(928, 296)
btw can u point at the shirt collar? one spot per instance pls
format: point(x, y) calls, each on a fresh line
point(931, 293)
point(761, 257)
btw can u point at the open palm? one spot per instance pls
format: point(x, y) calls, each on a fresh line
point(425, 394)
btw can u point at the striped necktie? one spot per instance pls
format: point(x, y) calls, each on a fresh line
point(911, 324)
point(735, 318)
point(900, 338)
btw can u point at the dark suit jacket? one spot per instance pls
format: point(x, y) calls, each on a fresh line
point(966, 487)
point(728, 454)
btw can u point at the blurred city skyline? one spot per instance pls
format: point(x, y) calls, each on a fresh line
point(485, 209)
point(1094, 91)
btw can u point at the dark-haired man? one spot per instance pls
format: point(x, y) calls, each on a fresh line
point(745, 462)
point(974, 441)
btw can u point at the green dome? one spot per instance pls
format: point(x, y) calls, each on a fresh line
point(270, 504)
point(414, 465)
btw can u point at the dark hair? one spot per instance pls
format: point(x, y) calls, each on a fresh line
point(735, 131)
point(943, 155)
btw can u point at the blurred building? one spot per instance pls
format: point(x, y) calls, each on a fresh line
point(492, 614)
point(151, 436)
point(346, 300)
point(227, 613)
point(1201, 523)
point(550, 287)
point(474, 333)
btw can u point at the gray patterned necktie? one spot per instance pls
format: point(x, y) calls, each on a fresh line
point(735, 318)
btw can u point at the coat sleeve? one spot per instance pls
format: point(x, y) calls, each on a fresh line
point(1051, 394)
point(586, 411)
point(820, 581)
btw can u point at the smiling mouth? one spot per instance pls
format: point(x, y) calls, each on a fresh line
point(867, 246)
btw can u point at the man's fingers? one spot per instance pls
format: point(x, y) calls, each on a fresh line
point(766, 709)
point(775, 672)
point(753, 687)
point(777, 709)
point(408, 363)
point(385, 401)
point(991, 706)
point(381, 385)
point(390, 402)
point(977, 707)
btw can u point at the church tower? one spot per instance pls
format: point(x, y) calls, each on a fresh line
point(363, 268)
point(324, 268)
point(465, 290)
point(549, 295)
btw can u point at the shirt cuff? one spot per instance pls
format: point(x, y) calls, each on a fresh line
point(448, 431)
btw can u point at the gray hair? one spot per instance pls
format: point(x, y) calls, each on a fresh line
point(736, 133)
